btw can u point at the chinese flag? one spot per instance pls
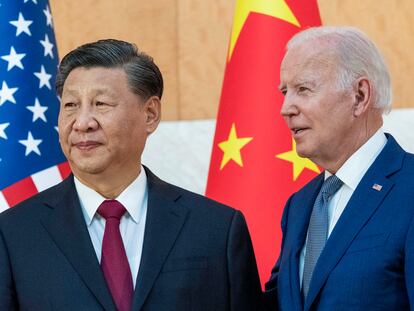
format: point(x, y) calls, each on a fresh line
point(254, 166)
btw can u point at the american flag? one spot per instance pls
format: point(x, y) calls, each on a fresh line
point(30, 156)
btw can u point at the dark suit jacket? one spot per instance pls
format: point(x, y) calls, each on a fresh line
point(368, 261)
point(197, 255)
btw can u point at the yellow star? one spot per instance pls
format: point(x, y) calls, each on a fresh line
point(276, 8)
point(299, 163)
point(232, 146)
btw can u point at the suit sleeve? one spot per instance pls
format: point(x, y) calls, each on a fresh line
point(409, 264)
point(7, 291)
point(270, 298)
point(244, 280)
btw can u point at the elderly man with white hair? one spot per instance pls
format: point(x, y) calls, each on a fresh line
point(348, 235)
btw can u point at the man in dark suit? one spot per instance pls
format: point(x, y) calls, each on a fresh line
point(113, 236)
point(348, 235)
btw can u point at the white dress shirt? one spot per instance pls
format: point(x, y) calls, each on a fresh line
point(135, 199)
point(351, 173)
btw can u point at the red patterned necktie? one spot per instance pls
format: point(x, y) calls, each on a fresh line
point(114, 262)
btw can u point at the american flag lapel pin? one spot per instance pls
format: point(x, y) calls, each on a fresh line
point(377, 187)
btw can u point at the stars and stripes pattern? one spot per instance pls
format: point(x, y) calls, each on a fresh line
point(30, 156)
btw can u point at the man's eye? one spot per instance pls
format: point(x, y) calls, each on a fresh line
point(69, 105)
point(103, 103)
point(302, 89)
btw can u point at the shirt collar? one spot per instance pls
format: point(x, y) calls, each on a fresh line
point(352, 171)
point(132, 198)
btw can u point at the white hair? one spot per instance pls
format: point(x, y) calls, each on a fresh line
point(358, 57)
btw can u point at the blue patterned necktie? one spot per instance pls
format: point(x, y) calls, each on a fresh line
point(318, 229)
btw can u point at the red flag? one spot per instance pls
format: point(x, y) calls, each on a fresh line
point(254, 166)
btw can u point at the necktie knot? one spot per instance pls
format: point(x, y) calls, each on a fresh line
point(111, 209)
point(330, 186)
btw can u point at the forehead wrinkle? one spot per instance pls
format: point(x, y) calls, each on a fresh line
point(310, 62)
point(312, 69)
point(94, 80)
point(95, 90)
point(299, 76)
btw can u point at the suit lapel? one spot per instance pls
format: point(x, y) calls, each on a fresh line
point(362, 205)
point(165, 218)
point(67, 228)
point(301, 209)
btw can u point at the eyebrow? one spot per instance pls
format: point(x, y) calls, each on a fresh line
point(298, 83)
point(98, 91)
point(304, 82)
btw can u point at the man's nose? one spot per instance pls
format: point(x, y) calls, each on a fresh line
point(85, 120)
point(289, 108)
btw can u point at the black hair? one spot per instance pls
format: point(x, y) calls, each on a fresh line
point(144, 76)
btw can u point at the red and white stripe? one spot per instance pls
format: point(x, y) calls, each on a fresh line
point(33, 184)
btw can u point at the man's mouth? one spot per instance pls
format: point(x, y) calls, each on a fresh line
point(87, 145)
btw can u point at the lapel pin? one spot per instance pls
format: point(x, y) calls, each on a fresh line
point(377, 187)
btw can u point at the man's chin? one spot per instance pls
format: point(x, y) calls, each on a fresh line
point(86, 168)
point(301, 150)
point(304, 152)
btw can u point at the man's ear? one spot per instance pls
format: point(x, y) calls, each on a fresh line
point(363, 96)
point(153, 113)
